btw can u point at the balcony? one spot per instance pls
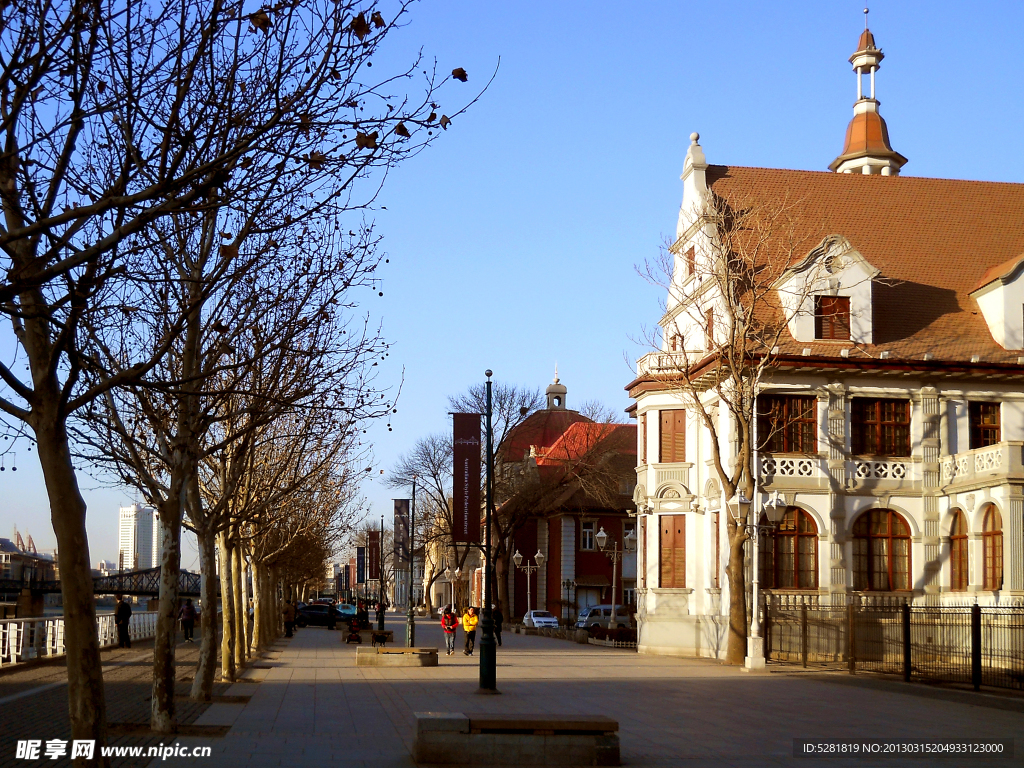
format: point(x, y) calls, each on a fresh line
point(796, 471)
point(982, 466)
point(667, 362)
point(885, 474)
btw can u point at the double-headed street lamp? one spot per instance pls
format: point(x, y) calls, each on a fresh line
point(755, 530)
point(615, 554)
point(568, 585)
point(451, 582)
point(528, 569)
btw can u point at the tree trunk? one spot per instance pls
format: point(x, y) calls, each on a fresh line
point(244, 632)
point(258, 608)
point(202, 685)
point(227, 652)
point(162, 703)
point(736, 648)
point(236, 594)
point(501, 576)
point(86, 703)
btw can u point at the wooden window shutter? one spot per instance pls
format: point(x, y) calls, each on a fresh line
point(672, 438)
point(673, 551)
point(643, 438)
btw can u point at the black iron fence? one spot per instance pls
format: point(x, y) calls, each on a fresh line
point(976, 645)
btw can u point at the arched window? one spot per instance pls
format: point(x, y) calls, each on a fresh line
point(992, 538)
point(958, 575)
point(881, 551)
point(791, 553)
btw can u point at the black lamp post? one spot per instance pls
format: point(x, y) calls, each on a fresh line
point(410, 621)
point(380, 580)
point(488, 645)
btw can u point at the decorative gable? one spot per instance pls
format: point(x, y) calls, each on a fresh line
point(1000, 297)
point(828, 295)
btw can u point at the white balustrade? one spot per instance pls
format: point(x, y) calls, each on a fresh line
point(788, 466)
point(26, 639)
point(884, 469)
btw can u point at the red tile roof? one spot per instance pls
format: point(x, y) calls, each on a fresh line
point(542, 429)
point(582, 440)
point(932, 239)
point(998, 271)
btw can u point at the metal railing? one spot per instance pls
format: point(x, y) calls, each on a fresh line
point(975, 645)
point(26, 639)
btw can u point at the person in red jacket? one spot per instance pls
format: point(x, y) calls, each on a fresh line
point(449, 623)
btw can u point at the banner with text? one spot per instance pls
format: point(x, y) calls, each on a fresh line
point(373, 555)
point(360, 565)
point(466, 475)
point(401, 534)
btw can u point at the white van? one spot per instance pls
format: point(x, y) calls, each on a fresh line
point(601, 616)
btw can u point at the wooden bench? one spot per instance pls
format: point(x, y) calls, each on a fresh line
point(516, 739)
point(396, 657)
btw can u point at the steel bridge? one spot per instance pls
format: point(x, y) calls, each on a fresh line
point(143, 583)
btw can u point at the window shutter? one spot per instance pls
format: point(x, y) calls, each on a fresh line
point(672, 437)
point(666, 576)
point(673, 551)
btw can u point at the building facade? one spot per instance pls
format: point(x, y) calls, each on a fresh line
point(572, 455)
point(140, 538)
point(889, 416)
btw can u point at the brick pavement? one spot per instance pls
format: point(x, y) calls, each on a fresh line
point(127, 675)
point(315, 707)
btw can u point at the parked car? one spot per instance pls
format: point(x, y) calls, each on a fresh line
point(346, 610)
point(539, 619)
point(316, 615)
point(601, 616)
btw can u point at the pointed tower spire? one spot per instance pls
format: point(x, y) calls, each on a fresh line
point(867, 149)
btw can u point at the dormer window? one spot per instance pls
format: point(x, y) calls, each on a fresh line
point(832, 318)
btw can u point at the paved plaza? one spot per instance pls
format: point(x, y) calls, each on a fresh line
point(313, 706)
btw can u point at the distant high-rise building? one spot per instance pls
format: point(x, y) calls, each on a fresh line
point(140, 539)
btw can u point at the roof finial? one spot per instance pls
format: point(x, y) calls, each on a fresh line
point(556, 372)
point(865, 18)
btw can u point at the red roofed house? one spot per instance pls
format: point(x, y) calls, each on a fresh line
point(895, 404)
point(560, 448)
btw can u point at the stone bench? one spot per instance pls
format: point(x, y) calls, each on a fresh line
point(455, 738)
point(396, 657)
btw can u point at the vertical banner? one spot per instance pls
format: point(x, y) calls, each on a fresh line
point(401, 534)
point(372, 555)
point(360, 565)
point(466, 476)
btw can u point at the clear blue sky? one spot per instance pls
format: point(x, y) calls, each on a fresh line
point(513, 241)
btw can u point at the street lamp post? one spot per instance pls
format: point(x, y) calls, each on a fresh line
point(528, 569)
point(755, 529)
point(615, 555)
point(410, 620)
point(567, 585)
point(380, 580)
point(488, 644)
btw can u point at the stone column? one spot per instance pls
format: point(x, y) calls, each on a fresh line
point(931, 442)
point(542, 573)
point(835, 395)
point(1013, 542)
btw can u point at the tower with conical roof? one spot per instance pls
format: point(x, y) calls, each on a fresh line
point(867, 149)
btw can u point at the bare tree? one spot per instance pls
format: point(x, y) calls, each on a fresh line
point(115, 116)
point(720, 337)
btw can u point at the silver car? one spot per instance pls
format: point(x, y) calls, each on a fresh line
point(539, 619)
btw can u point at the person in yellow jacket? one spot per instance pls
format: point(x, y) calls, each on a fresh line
point(469, 622)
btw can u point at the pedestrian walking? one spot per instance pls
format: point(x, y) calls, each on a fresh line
point(122, 620)
point(497, 618)
point(469, 622)
point(449, 623)
point(289, 617)
point(187, 614)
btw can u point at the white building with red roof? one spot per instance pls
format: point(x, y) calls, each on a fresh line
point(891, 409)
